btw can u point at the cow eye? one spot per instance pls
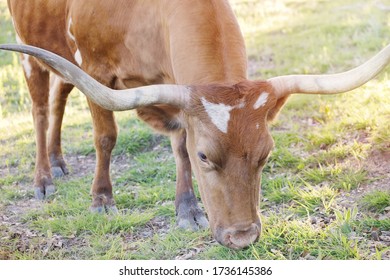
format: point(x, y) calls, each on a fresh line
point(202, 156)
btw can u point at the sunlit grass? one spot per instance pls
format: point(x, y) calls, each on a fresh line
point(376, 201)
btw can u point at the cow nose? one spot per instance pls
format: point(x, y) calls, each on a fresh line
point(239, 237)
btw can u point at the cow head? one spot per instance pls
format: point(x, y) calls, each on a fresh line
point(227, 136)
point(228, 143)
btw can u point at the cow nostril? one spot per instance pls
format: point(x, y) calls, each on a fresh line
point(239, 239)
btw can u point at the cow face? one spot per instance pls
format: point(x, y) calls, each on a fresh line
point(228, 143)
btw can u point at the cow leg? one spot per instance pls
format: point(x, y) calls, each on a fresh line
point(165, 119)
point(38, 84)
point(189, 215)
point(105, 134)
point(59, 91)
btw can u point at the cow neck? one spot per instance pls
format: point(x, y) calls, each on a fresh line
point(205, 42)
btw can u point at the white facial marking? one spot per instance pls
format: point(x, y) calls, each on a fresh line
point(257, 125)
point(78, 58)
point(218, 113)
point(261, 100)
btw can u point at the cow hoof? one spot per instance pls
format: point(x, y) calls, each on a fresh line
point(50, 190)
point(97, 209)
point(111, 209)
point(202, 221)
point(105, 209)
point(45, 193)
point(39, 194)
point(58, 166)
point(192, 220)
point(58, 172)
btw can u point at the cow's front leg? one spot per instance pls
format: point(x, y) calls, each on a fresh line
point(59, 91)
point(188, 213)
point(38, 84)
point(105, 134)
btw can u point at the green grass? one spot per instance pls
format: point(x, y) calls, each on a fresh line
point(324, 146)
point(338, 177)
point(376, 201)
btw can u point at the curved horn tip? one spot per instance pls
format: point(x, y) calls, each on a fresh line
point(332, 83)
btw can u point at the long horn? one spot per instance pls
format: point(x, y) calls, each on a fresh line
point(333, 83)
point(114, 100)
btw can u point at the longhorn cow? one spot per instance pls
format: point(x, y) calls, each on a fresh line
point(182, 65)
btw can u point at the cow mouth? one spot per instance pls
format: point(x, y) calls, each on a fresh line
point(239, 238)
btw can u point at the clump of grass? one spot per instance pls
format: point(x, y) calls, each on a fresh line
point(279, 190)
point(376, 201)
point(134, 137)
point(367, 223)
point(298, 196)
point(338, 176)
point(144, 173)
point(322, 138)
point(310, 200)
point(13, 193)
point(345, 219)
point(381, 135)
point(9, 180)
point(337, 153)
point(91, 223)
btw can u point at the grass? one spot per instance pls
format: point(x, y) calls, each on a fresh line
point(323, 155)
point(376, 201)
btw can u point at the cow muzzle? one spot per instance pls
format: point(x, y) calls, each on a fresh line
point(239, 237)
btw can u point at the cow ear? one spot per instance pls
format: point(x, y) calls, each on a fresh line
point(162, 118)
point(274, 111)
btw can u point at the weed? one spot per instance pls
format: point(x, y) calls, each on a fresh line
point(376, 201)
